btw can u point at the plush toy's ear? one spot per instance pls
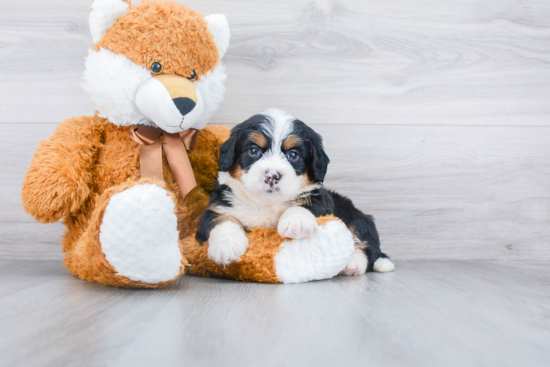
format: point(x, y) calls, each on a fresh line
point(104, 15)
point(219, 27)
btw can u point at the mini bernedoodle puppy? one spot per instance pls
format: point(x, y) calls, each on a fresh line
point(271, 176)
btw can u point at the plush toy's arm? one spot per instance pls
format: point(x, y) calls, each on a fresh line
point(57, 182)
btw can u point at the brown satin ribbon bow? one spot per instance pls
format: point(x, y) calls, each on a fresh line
point(151, 140)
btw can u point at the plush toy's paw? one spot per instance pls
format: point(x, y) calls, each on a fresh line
point(357, 265)
point(139, 234)
point(297, 223)
point(227, 243)
point(383, 265)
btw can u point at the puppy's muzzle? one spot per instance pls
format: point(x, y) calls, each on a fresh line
point(171, 102)
point(272, 178)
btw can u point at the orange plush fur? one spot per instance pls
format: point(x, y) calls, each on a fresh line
point(143, 39)
point(78, 187)
point(257, 264)
point(88, 159)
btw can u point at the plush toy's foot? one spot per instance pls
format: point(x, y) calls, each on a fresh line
point(357, 265)
point(321, 256)
point(139, 235)
point(132, 239)
point(273, 259)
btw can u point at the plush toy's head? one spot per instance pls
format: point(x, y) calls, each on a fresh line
point(156, 64)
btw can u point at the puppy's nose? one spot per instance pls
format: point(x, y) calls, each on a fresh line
point(272, 177)
point(184, 105)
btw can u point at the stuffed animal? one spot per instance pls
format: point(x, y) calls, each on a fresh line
point(131, 181)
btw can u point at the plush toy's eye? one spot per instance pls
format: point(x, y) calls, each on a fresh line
point(255, 152)
point(193, 76)
point(156, 68)
point(292, 155)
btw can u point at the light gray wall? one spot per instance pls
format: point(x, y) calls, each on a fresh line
point(435, 113)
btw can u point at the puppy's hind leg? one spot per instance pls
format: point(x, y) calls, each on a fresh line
point(357, 265)
point(383, 264)
point(367, 235)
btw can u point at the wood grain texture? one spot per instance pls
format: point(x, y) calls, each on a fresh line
point(424, 314)
point(435, 114)
point(21, 237)
point(468, 62)
point(437, 192)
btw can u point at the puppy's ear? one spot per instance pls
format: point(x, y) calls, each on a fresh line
point(228, 148)
point(319, 160)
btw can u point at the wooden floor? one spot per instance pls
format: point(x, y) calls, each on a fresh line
point(433, 313)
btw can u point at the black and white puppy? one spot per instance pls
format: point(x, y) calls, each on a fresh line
point(271, 176)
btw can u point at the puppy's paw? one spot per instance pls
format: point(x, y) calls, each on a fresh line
point(383, 265)
point(357, 265)
point(227, 243)
point(297, 223)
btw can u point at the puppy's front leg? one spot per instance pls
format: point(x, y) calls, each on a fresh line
point(226, 238)
point(227, 242)
point(297, 223)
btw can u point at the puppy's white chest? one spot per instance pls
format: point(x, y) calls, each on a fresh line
point(256, 216)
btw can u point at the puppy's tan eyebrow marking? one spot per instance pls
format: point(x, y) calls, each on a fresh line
point(258, 139)
point(291, 142)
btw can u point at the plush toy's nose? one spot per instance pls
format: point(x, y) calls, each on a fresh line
point(182, 91)
point(171, 102)
point(184, 104)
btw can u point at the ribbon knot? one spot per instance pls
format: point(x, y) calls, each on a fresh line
point(152, 140)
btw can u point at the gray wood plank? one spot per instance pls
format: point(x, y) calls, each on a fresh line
point(468, 62)
point(446, 192)
point(426, 313)
point(20, 236)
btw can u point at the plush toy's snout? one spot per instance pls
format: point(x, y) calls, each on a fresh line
point(172, 102)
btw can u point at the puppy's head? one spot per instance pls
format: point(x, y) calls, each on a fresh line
point(273, 156)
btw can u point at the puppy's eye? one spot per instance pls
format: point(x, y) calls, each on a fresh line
point(254, 152)
point(156, 68)
point(292, 155)
point(193, 76)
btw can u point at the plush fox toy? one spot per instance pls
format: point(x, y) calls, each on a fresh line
point(131, 181)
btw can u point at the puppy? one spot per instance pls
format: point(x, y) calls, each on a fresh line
point(271, 176)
